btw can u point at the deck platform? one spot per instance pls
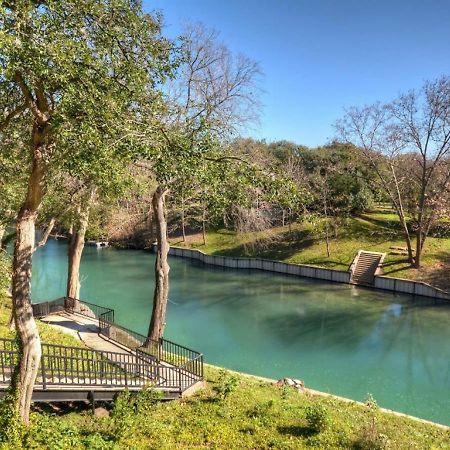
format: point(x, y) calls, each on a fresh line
point(113, 360)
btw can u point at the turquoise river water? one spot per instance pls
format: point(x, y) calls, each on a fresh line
point(337, 338)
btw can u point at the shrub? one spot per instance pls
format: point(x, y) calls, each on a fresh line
point(369, 436)
point(226, 384)
point(123, 414)
point(317, 417)
point(11, 427)
point(261, 410)
point(146, 400)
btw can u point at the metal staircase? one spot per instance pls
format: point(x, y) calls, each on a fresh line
point(365, 266)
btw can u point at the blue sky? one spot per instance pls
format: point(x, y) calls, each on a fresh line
point(319, 56)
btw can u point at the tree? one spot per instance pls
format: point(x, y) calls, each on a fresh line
point(407, 143)
point(213, 95)
point(61, 62)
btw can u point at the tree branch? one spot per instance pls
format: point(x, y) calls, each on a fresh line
point(29, 100)
point(11, 115)
point(46, 234)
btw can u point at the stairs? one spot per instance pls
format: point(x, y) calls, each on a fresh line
point(365, 266)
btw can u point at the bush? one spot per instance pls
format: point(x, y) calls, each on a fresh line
point(11, 427)
point(123, 415)
point(261, 410)
point(369, 436)
point(318, 417)
point(146, 401)
point(226, 384)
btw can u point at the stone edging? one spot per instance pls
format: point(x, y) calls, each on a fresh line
point(397, 285)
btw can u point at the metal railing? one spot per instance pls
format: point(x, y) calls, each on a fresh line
point(168, 364)
point(75, 366)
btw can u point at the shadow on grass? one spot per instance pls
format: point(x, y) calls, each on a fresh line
point(330, 263)
point(281, 246)
point(437, 275)
point(64, 408)
point(380, 223)
point(297, 431)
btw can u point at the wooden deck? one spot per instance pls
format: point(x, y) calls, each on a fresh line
point(105, 366)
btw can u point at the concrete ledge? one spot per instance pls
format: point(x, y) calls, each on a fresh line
point(300, 270)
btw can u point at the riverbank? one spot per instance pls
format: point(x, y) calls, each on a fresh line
point(233, 411)
point(304, 244)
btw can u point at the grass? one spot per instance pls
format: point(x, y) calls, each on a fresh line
point(305, 244)
point(231, 412)
point(253, 415)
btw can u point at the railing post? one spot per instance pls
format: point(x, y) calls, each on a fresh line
point(179, 379)
point(44, 382)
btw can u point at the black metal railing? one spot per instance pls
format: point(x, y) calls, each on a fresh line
point(75, 366)
point(89, 309)
point(171, 365)
point(163, 350)
point(45, 308)
point(122, 335)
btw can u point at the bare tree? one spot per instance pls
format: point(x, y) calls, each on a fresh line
point(212, 98)
point(407, 143)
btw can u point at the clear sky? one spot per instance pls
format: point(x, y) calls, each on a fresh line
point(319, 56)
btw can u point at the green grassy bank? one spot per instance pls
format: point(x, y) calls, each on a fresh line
point(305, 244)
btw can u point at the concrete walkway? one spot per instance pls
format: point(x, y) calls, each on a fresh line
point(85, 329)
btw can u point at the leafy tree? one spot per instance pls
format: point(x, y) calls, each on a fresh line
point(67, 65)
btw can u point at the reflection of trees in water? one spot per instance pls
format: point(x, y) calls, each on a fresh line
point(411, 332)
point(326, 324)
point(402, 330)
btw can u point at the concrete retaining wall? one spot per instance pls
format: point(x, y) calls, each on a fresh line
point(410, 287)
point(339, 276)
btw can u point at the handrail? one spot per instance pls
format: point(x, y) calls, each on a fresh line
point(185, 365)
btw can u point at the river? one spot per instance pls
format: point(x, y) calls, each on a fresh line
point(337, 338)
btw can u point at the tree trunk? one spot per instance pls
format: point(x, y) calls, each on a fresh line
point(398, 205)
point(204, 227)
point(419, 246)
point(2, 233)
point(29, 341)
point(183, 225)
point(75, 251)
point(327, 237)
point(327, 232)
point(161, 292)
point(290, 220)
point(152, 232)
point(76, 246)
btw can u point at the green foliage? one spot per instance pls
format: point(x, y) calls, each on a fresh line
point(262, 411)
point(146, 401)
point(5, 271)
point(12, 429)
point(123, 414)
point(226, 384)
point(317, 417)
point(370, 436)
